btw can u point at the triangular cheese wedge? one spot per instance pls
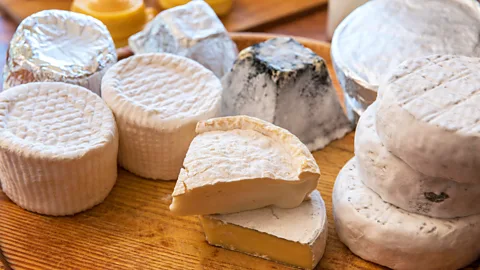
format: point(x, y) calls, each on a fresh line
point(242, 163)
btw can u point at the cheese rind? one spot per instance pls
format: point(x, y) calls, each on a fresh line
point(293, 236)
point(241, 163)
point(382, 233)
point(157, 100)
point(58, 148)
point(399, 184)
point(435, 102)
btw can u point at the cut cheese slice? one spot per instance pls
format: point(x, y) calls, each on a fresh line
point(399, 184)
point(382, 233)
point(429, 116)
point(241, 163)
point(292, 236)
point(157, 100)
point(58, 148)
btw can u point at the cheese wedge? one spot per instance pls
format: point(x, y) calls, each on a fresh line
point(157, 100)
point(294, 236)
point(428, 115)
point(382, 233)
point(241, 163)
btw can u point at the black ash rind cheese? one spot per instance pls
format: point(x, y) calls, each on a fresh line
point(283, 82)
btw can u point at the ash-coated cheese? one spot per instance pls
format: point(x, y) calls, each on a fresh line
point(58, 148)
point(399, 184)
point(387, 235)
point(296, 236)
point(157, 100)
point(59, 46)
point(284, 83)
point(192, 30)
point(429, 116)
point(242, 163)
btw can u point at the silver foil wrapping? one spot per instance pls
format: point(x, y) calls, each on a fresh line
point(192, 30)
point(59, 46)
point(381, 34)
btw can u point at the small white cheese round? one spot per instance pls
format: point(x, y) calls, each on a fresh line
point(58, 147)
point(382, 233)
point(157, 100)
point(399, 184)
point(429, 116)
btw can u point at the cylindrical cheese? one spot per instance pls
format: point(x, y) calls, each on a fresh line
point(157, 100)
point(58, 148)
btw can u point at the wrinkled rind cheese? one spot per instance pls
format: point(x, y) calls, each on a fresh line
point(58, 148)
point(399, 184)
point(284, 83)
point(241, 163)
point(428, 115)
point(382, 233)
point(59, 46)
point(157, 100)
point(294, 236)
point(192, 30)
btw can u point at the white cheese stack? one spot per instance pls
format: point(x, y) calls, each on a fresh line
point(58, 148)
point(157, 100)
point(282, 82)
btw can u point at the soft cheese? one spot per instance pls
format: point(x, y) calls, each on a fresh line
point(192, 30)
point(294, 236)
point(399, 184)
point(241, 163)
point(59, 46)
point(284, 83)
point(382, 233)
point(157, 100)
point(58, 147)
point(428, 115)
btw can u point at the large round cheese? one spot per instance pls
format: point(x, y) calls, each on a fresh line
point(399, 184)
point(382, 233)
point(429, 116)
point(59, 46)
point(58, 148)
point(157, 100)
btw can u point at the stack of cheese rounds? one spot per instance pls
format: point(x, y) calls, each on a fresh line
point(410, 198)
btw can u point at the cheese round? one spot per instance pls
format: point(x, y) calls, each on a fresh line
point(157, 100)
point(399, 184)
point(387, 235)
point(428, 115)
point(381, 34)
point(58, 148)
point(59, 46)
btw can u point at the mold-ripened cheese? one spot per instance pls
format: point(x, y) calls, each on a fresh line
point(399, 184)
point(58, 147)
point(242, 163)
point(282, 82)
point(157, 100)
point(294, 236)
point(382, 233)
point(429, 116)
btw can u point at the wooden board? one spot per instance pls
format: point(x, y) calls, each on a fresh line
point(246, 14)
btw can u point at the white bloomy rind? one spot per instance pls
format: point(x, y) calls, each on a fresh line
point(382, 233)
point(58, 148)
point(157, 100)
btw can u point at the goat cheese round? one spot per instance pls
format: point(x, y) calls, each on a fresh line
point(381, 34)
point(157, 100)
point(58, 147)
point(429, 116)
point(59, 46)
point(400, 185)
point(387, 235)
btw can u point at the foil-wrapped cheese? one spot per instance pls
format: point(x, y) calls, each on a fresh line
point(193, 31)
point(381, 34)
point(59, 46)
